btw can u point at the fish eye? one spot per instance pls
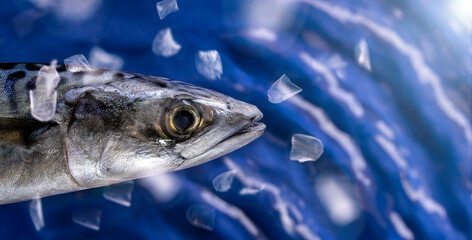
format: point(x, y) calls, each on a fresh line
point(184, 119)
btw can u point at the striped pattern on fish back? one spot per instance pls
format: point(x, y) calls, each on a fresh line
point(17, 79)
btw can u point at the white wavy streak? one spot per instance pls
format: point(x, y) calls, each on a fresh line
point(280, 205)
point(429, 204)
point(358, 162)
point(231, 211)
point(262, 33)
point(400, 226)
point(425, 74)
point(333, 85)
point(385, 129)
point(392, 151)
point(420, 196)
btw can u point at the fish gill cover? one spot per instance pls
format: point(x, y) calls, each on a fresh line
point(384, 87)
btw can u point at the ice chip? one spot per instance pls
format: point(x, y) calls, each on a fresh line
point(398, 13)
point(24, 21)
point(208, 64)
point(77, 63)
point(164, 44)
point(89, 218)
point(43, 3)
point(76, 11)
point(166, 7)
point(282, 89)
point(36, 214)
point(251, 190)
point(305, 148)
point(119, 193)
point(43, 98)
point(222, 182)
point(262, 34)
point(336, 62)
point(163, 187)
point(100, 58)
point(340, 205)
point(362, 55)
point(201, 216)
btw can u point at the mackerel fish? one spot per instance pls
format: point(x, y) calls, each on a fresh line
point(123, 126)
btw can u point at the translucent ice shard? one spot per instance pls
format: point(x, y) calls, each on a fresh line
point(43, 97)
point(362, 55)
point(164, 44)
point(43, 3)
point(25, 21)
point(222, 182)
point(166, 7)
point(305, 148)
point(163, 187)
point(201, 216)
point(208, 64)
point(262, 33)
point(119, 193)
point(341, 207)
point(336, 62)
point(100, 58)
point(77, 63)
point(398, 13)
point(282, 89)
point(76, 11)
point(89, 218)
point(36, 214)
point(251, 190)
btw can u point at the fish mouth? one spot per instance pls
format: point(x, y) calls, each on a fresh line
point(244, 136)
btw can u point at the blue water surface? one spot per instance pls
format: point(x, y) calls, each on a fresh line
point(397, 160)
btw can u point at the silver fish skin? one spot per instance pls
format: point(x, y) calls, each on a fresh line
point(123, 126)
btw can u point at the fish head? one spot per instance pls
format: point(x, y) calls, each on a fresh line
point(133, 128)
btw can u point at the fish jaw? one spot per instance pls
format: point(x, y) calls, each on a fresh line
point(230, 144)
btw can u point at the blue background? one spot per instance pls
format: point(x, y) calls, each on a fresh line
point(432, 193)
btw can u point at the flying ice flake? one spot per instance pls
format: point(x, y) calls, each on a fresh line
point(222, 182)
point(251, 190)
point(163, 187)
point(25, 21)
point(337, 65)
point(43, 98)
point(36, 214)
point(201, 216)
point(76, 11)
point(43, 3)
point(282, 89)
point(89, 218)
point(119, 193)
point(262, 33)
point(166, 7)
point(100, 58)
point(305, 148)
point(341, 207)
point(77, 63)
point(164, 44)
point(208, 64)
point(362, 55)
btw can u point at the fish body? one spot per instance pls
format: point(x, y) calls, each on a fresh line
point(110, 126)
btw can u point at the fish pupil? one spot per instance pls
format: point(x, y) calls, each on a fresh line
point(183, 119)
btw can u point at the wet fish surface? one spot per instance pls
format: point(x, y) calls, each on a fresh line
point(111, 126)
